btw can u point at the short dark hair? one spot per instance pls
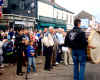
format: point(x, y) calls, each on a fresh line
point(77, 21)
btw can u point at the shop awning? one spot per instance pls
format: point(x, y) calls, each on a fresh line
point(2, 27)
point(60, 26)
point(46, 24)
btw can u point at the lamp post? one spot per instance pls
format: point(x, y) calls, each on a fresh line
point(36, 12)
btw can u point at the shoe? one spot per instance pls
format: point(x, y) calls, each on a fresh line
point(20, 74)
point(51, 67)
point(23, 72)
point(71, 63)
point(66, 64)
point(1, 73)
point(54, 65)
point(47, 69)
point(1, 69)
point(2, 66)
point(57, 63)
point(35, 74)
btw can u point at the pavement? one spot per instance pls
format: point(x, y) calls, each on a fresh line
point(60, 72)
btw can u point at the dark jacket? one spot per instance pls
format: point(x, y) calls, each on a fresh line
point(76, 39)
point(19, 45)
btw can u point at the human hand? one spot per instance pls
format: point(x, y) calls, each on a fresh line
point(32, 54)
point(23, 54)
point(93, 47)
point(5, 40)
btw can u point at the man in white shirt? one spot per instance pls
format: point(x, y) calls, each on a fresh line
point(49, 43)
point(60, 40)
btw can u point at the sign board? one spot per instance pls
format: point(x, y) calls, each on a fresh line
point(29, 24)
point(20, 22)
point(84, 23)
point(69, 27)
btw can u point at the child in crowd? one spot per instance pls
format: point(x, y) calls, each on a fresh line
point(31, 57)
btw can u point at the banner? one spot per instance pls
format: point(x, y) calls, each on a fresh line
point(0, 11)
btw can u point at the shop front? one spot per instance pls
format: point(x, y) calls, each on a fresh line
point(4, 24)
point(15, 21)
point(46, 22)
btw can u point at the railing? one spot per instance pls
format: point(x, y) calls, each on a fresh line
point(17, 17)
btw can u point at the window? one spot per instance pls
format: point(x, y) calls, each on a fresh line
point(67, 18)
point(70, 19)
point(22, 4)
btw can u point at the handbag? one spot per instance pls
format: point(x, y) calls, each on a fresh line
point(45, 41)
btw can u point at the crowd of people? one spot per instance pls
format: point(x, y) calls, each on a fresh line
point(22, 46)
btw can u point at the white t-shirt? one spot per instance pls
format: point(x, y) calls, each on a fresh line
point(1, 45)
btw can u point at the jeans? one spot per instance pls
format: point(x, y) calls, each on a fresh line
point(31, 61)
point(79, 59)
point(68, 57)
point(59, 54)
point(19, 65)
point(1, 59)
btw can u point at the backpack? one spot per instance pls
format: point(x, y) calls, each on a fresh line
point(9, 48)
point(45, 41)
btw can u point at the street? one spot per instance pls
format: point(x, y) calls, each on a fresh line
point(60, 72)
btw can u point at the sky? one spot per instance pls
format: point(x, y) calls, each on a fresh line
point(91, 6)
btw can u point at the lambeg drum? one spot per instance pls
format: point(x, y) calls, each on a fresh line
point(94, 40)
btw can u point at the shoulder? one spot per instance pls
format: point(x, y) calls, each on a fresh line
point(28, 47)
point(81, 31)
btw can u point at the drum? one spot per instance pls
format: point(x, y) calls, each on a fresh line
point(94, 40)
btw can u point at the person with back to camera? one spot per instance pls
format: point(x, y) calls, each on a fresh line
point(76, 40)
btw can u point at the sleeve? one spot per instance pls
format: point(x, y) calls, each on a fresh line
point(66, 41)
point(16, 41)
point(84, 40)
point(28, 50)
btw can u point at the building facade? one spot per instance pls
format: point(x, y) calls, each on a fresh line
point(97, 26)
point(52, 14)
point(87, 19)
point(19, 12)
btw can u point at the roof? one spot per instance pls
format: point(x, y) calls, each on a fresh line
point(55, 5)
point(46, 1)
point(83, 14)
point(62, 8)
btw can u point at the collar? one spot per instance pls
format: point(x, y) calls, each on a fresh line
point(76, 27)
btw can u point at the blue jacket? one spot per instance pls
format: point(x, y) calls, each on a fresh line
point(30, 49)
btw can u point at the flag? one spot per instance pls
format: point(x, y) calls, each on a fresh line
point(0, 11)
